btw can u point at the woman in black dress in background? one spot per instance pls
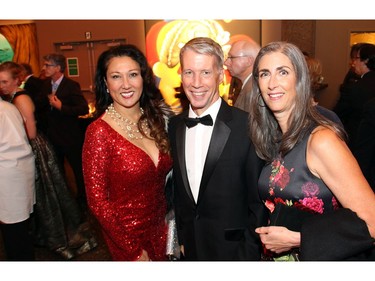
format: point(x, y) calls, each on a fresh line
point(58, 222)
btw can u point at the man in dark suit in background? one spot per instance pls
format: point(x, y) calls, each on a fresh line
point(33, 87)
point(364, 150)
point(63, 102)
point(240, 62)
point(31, 83)
point(351, 103)
point(215, 166)
point(364, 145)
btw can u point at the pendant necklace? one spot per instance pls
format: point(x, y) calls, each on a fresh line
point(130, 127)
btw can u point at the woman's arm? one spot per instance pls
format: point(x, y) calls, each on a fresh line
point(329, 158)
point(26, 107)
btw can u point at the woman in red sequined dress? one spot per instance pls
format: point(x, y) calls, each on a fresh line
point(126, 157)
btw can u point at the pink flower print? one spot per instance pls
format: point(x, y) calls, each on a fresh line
point(270, 205)
point(282, 178)
point(310, 189)
point(275, 166)
point(271, 192)
point(279, 200)
point(276, 163)
point(313, 203)
point(302, 207)
point(335, 204)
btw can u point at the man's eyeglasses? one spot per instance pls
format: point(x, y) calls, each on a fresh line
point(235, 57)
point(48, 65)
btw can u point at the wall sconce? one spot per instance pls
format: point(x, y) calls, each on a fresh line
point(113, 44)
point(88, 35)
point(66, 47)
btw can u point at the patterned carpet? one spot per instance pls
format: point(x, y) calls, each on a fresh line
point(100, 253)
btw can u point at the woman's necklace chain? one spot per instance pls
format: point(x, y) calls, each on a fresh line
point(130, 127)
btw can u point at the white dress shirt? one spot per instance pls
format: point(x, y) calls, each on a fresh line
point(196, 146)
point(56, 84)
point(245, 81)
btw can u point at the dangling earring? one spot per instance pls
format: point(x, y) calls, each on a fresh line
point(107, 90)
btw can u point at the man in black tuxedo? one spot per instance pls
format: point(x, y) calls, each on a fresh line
point(33, 87)
point(215, 166)
point(31, 83)
point(63, 102)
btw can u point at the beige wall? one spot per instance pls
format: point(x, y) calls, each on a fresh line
point(331, 40)
point(50, 31)
point(332, 48)
point(271, 31)
point(57, 31)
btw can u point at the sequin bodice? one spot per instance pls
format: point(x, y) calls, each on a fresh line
point(125, 192)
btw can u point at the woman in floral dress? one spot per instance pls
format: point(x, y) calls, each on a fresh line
point(321, 206)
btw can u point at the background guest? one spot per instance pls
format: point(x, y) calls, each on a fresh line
point(32, 85)
point(62, 102)
point(364, 149)
point(126, 157)
point(57, 219)
point(365, 144)
point(240, 62)
point(11, 78)
point(351, 76)
point(30, 82)
point(17, 169)
point(316, 79)
point(350, 105)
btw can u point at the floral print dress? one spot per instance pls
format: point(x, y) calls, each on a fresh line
point(289, 181)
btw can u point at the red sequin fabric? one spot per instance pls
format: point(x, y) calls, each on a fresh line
point(125, 192)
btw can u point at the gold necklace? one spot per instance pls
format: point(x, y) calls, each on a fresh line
point(130, 127)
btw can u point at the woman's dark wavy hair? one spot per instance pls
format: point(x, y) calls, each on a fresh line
point(156, 112)
point(265, 132)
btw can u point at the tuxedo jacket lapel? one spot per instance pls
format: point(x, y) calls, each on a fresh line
point(219, 138)
point(60, 89)
point(180, 143)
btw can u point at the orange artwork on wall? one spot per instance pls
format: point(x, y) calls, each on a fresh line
point(163, 43)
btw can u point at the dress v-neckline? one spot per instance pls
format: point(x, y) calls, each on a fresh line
point(156, 165)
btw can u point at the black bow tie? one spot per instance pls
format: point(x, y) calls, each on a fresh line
point(205, 120)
